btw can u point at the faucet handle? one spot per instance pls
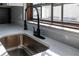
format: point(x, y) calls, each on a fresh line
point(33, 29)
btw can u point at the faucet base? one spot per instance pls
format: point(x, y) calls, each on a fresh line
point(25, 25)
point(39, 36)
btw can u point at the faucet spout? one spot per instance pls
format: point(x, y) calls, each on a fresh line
point(35, 32)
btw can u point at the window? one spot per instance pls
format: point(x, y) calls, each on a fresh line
point(35, 13)
point(57, 13)
point(71, 13)
point(46, 12)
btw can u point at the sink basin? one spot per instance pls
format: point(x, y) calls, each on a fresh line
point(22, 45)
point(18, 52)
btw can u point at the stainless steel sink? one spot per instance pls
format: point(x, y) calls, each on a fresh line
point(18, 52)
point(22, 45)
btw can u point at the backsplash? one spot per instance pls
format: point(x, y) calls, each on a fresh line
point(17, 15)
point(64, 36)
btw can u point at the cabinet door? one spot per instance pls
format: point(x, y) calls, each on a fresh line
point(12, 41)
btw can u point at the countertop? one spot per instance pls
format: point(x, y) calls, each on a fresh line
point(56, 48)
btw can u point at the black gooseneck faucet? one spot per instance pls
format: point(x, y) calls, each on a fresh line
point(35, 32)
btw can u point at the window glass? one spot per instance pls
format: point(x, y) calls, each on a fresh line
point(35, 13)
point(57, 13)
point(46, 12)
point(71, 13)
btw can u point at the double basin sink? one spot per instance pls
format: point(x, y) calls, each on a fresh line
point(22, 45)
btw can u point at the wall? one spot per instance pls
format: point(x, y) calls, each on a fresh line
point(64, 36)
point(17, 15)
point(4, 15)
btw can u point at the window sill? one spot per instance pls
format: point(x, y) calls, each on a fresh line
point(56, 27)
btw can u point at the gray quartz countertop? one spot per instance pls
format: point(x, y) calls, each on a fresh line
point(56, 48)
